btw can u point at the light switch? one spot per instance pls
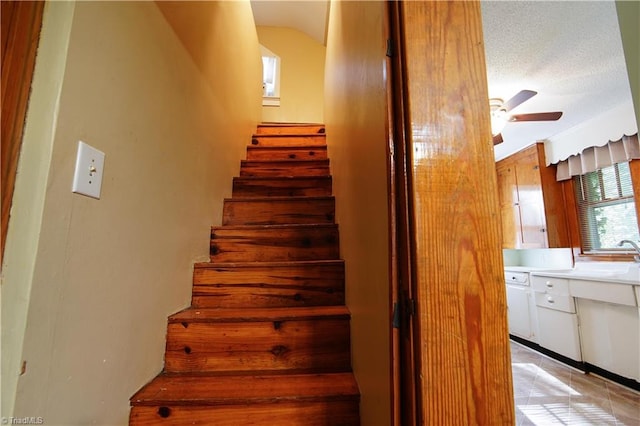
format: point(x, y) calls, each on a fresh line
point(87, 179)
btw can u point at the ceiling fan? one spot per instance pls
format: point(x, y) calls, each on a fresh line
point(499, 116)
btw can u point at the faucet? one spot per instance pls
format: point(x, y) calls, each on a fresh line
point(635, 247)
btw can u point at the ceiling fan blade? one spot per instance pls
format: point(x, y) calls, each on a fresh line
point(517, 99)
point(498, 139)
point(537, 116)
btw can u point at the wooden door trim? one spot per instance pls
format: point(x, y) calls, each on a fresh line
point(462, 364)
point(404, 395)
point(21, 23)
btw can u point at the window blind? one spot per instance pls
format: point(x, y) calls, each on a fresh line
point(606, 208)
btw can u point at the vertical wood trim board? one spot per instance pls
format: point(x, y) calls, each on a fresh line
point(634, 166)
point(464, 367)
point(21, 22)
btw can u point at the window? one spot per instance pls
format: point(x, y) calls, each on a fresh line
point(270, 77)
point(606, 209)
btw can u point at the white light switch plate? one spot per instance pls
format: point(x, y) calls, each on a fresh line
point(87, 179)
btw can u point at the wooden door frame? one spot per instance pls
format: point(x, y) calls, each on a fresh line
point(404, 394)
point(21, 24)
point(458, 370)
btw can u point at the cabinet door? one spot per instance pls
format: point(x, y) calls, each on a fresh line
point(610, 337)
point(559, 332)
point(518, 311)
point(531, 204)
point(509, 211)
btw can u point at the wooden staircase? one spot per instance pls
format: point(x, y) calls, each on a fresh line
point(266, 340)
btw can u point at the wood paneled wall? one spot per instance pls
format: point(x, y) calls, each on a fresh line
point(21, 22)
point(464, 371)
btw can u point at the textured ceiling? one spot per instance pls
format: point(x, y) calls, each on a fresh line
point(570, 52)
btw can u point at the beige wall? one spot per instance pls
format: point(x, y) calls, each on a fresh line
point(301, 76)
point(628, 15)
point(355, 115)
point(103, 275)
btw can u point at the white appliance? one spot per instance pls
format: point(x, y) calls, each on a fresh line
point(521, 307)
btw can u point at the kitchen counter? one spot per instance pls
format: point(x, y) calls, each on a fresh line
point(607, 272)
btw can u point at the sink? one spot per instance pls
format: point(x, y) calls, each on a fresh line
point(619, 271)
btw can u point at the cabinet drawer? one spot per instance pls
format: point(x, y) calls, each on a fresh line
point(551, 285)
point(554, 301)
point(621, 294)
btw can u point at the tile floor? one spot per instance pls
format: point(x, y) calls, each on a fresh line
point(548, 392)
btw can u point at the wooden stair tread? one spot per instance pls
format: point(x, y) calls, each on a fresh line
point(274, 227)
point(214, 265)
point(287, 135)
point(282, 178)
point(287, 124)
point(243, 389)
point(259, 314)
point(302, 198)
point(287, 162)
point(287, 147)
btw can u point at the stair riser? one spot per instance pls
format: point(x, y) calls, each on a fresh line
point(266, 187)
point(320, 344)
point(284, 168)
point(269, 286)
point(292, 153)
point(288, 140)
point(269, 245)
point(321, 413)
point(290, 130)
point(273, 212)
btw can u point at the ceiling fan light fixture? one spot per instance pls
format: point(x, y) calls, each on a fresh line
point(499, 119)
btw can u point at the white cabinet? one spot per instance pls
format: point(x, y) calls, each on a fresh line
point(557, 319)
point(559, 332)
point(519, 314)
point(610, 336)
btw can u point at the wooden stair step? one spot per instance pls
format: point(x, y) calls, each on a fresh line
point(318, 152)
point(289, 128)
point(271, 168)
point(193, 315)
point(242, 389)
point(289, 140)
point(332, 411)
point(267, 339)
point(268, 284)
point(262, 400)
point(282, 186)
point(278, 210)
point(274, 243)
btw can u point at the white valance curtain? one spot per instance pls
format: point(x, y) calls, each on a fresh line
point(598, 157)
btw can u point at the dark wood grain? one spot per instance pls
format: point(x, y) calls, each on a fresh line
point(316, 413)
point(319, 343)
point(313, 152)
point(220, 389)
point(289, 140)
point(308, 186)
point(284, 168)
point(268, 284)
point(278, 210)
point(274, 243)
point(289, 129)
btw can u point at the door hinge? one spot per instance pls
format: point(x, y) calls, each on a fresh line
point(389, 48)
point(405, 310)
point(396, 316)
